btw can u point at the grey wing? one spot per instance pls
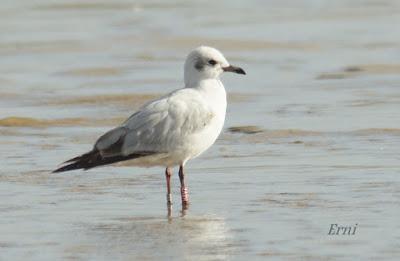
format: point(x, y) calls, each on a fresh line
point(158, 127)
point(110, 143)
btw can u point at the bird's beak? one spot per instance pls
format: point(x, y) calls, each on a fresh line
point(234, 69)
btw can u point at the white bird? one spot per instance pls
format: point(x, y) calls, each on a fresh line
point(173, 129)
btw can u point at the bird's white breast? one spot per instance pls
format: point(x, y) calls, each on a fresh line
point(213, 93)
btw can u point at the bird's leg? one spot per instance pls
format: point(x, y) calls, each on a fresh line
point(184, 190)
point(168, 174)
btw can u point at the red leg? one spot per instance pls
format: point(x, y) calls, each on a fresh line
point(184, 190)
point(168, 177)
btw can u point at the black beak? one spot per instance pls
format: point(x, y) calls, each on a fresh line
point(234, 69)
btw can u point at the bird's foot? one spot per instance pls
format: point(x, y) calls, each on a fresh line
point(169, 211)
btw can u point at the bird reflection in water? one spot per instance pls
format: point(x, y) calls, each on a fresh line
point(184, 209)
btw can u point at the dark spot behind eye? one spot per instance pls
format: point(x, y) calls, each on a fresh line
point(212, 62)
point(199, 65)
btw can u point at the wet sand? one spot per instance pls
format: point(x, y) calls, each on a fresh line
point(312, 136)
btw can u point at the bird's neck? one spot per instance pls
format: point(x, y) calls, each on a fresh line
point(204, 83)
point(212, 90)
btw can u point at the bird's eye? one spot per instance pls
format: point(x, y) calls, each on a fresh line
point(212, 62)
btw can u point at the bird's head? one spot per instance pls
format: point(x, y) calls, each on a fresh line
point(207, 63)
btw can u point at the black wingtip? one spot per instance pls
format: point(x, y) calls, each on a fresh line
point(68, 167)
point(80, 162)
point(94, 159)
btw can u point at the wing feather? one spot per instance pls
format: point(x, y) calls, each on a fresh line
point(159, 126)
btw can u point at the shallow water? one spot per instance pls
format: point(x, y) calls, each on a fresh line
point(321, 91)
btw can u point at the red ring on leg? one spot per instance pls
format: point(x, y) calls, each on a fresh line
point(184, 195)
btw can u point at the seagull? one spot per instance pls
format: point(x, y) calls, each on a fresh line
point(173, 129)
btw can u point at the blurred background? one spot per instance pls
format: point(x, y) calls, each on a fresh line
point(312, 132)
